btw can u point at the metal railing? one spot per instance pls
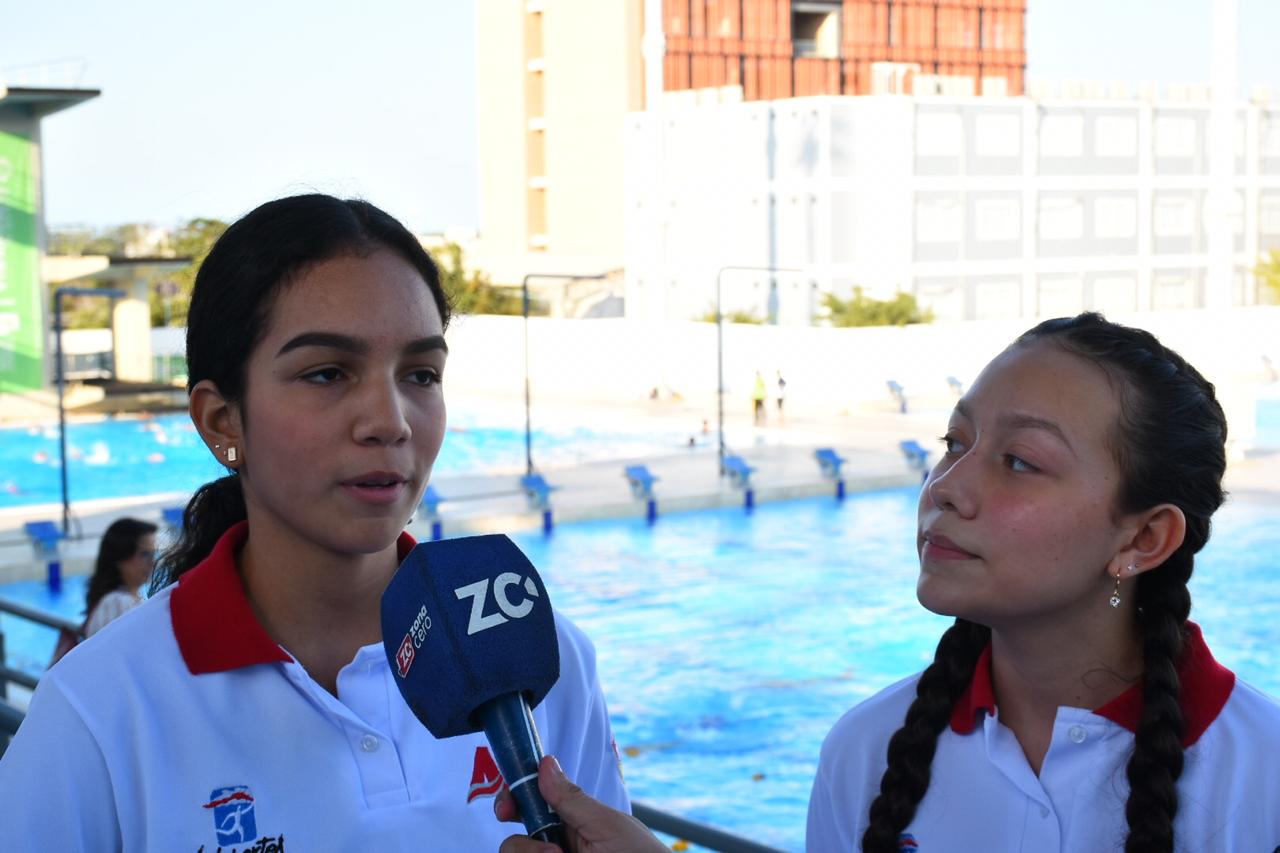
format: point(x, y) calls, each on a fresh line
point(700, 834)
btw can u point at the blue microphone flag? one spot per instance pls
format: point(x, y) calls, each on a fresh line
point(465, 621)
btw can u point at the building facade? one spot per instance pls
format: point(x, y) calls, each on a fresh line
point(983, 208)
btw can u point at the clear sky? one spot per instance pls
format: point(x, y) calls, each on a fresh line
point(208, 109)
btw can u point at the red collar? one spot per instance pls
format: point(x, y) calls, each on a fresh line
point(212, 619)
point(1206, 685)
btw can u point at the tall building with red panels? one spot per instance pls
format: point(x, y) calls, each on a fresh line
point(792, 48)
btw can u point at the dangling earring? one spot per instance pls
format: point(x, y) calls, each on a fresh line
point(1115, 594)
point(231, 453)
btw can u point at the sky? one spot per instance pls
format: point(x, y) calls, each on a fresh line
point(209, 109)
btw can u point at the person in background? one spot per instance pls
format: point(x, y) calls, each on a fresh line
point(126, 557)
point(758, 395)
point(781, 397)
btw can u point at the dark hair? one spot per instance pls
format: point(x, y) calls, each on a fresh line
point(1170, 447)
point(262, 252)
point(119, 542)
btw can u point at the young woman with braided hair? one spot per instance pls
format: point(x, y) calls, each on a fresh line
point(1072, 706)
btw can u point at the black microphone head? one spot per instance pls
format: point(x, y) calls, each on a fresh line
point(465, 621)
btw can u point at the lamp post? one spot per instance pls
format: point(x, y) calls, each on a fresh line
point(720, 349)
point(113, 295)
point(524, 297)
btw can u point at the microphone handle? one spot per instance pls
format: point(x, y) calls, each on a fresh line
point(508, 725)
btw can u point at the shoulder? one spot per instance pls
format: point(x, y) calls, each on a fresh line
point(1252, 716)
point(98, 666)
point(575, 645)
point(862, 735)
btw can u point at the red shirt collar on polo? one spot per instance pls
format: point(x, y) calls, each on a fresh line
point(1205, 687)
point(212, 619)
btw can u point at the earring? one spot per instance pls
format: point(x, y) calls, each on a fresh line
point(1133, 567)
point(1115, 594)
point(231, 453)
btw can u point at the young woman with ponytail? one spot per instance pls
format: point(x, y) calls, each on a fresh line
point(248, 704)
point(1072, 706)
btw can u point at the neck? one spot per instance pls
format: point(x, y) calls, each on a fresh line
point(1037, 667)
point(320, 605)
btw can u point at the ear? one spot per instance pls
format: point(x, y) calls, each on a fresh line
point(1156, 533)
point(218, 422)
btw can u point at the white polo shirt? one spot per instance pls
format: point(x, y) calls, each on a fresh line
point(985, 796)
point(183, 727)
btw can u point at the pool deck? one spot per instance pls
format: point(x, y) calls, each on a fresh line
point(687, 478)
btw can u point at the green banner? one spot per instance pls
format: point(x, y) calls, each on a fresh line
point(21, 338)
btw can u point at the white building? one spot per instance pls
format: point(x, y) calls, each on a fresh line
point(984, 208)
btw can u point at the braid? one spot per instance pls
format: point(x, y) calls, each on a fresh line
point(911, 748)
point(1156, 763)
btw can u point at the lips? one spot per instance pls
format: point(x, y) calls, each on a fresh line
point(377, 488)
point(939, 547)
point(375, 479)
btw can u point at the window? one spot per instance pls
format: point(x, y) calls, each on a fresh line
point(938, 220)
point(938, 134)
point(1174, 216)
point(1115, 217)
point(997, 135)
point(1060, 295)
point(815, 29)
point(1271, 135)
point(945, 298)
point(1269, 214)
point(997, 219)
point(1175, 136)
point(1115, 293)
point(1115, 136)
point(994, 300)
point(1061, 218)
point(1173, 290)
point(1062, 136)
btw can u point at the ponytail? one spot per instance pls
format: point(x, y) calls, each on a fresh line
point(212, 510)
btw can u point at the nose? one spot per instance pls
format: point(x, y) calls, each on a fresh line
point(951, 486)
point(381, 416)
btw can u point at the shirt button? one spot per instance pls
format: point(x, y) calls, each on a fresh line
point(369, 743)
point(1077, 734)
point(1044, 811)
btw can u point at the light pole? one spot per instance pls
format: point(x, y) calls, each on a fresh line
point(720, 349)
point(113, 295)
point(524, 297)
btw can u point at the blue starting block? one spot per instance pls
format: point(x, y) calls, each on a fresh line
point(956, 385)
point(45, 536)
point(917, 457)
point(641, 481)
point(898, 393)
point(830, 461)
point(172, 517)
point(431, 500)
point(740, 476)
point(538, 491)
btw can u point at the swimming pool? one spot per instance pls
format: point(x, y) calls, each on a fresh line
point(127, 457)
point(729, 644)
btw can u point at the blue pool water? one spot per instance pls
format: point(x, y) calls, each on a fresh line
point(126, 457)
point(729, 644)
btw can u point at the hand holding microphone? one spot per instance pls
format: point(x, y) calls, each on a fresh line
point(591, 826)
point(471, 639)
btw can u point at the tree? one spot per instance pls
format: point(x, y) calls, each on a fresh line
point(1267, 273)
point(472, 292)
point(737, 315)
point(193, 239)
point(862, 310)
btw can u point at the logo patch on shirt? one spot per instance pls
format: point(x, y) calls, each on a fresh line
point(907, 841)
point(486, 781)
point(233, 818)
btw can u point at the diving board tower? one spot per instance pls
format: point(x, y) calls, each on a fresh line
point(23, 305)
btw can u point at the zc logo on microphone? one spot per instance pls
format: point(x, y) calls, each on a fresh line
point(412, 642)
point(478, 592)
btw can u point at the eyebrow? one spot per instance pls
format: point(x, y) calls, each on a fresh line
point(1018, 420)
point(358, 346)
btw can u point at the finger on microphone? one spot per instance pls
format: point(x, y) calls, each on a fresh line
point(504, 806)
point(525, 844)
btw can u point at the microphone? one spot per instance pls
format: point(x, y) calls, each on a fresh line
point(468, 631)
